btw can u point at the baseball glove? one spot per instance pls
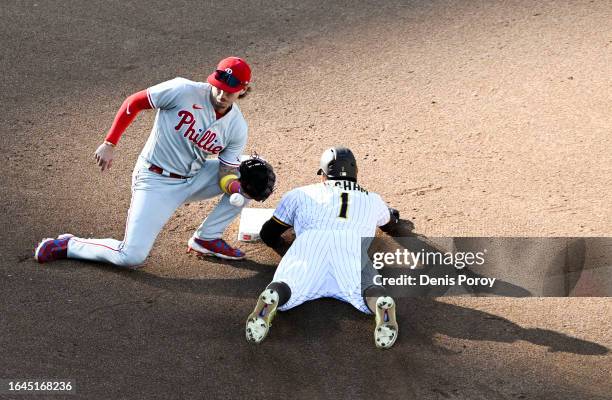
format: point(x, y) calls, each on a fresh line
point(257, 178)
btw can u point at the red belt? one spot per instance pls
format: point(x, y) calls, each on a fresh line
point(159, 170)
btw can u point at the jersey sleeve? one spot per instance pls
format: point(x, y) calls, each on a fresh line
point(126, 114)
point(381, 211)
point(166, 94)
point(287, 208)
point(230, 155)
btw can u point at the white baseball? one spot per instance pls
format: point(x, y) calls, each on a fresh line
point(237, 200)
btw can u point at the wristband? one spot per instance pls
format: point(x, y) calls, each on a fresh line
point(234, 187)
point(110, 143)
point(225, 182)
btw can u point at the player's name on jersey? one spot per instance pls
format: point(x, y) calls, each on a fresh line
point(349, 185)
point(426, 280)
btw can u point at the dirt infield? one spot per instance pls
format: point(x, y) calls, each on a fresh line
point(470, 117)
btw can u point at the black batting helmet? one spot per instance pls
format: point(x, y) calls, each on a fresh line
point(338, 163)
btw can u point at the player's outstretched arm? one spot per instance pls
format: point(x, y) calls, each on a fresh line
point(127, 113)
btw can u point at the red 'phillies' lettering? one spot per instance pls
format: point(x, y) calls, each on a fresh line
point(204, 137)
point(190, 130)
point(186, 118)
point(193, 136)
point(206, 142)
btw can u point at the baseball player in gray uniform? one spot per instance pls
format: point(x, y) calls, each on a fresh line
point(193, 121)
point(330, 219)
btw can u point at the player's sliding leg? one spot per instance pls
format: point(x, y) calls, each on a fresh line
point(383, 307)
point(299, 277)
point(260, 320)
point(354, 275)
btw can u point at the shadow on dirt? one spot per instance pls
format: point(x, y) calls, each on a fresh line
point(423, 318)
point(432, 318)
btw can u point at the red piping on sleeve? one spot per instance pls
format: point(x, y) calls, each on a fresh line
point(228, 163)
point(127, 113)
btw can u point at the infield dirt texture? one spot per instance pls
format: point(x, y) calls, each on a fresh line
point(471, 117)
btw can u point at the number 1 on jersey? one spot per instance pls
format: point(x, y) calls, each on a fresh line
point(343, 205)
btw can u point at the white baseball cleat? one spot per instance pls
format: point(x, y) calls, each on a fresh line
point(386, 329)
point(259, 322)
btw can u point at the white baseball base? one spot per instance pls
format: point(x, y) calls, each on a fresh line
point(251, 221)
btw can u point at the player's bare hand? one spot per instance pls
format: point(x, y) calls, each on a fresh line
point(104, 155)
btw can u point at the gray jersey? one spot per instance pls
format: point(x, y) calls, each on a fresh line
point(333, 205)
point(186, 130)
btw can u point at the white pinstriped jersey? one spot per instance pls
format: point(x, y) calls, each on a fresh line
point(186, 130)
point(329, 220)
point(335, 205)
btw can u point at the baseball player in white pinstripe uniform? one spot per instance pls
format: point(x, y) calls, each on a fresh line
point(330, 219)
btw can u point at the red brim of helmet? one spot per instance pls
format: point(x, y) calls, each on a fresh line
point(222, 85)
